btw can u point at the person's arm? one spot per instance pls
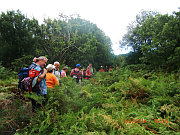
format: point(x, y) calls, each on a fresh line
point(92, 71)
point(42, 75)
point(65, 74)
point(71, 74)
point(90, 75)
point(35, 59)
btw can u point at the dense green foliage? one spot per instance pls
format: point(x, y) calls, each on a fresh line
point(73, 40)
point(155, 39)
point(69, 40)
point(108, 103)
point(101, 105)
point(16, 36)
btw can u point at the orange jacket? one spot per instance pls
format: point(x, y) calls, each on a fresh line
point(51, 80)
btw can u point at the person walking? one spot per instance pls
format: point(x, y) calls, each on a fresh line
point(51, 79)
point(106, 69)
point(110, 69)
point(76, 74)
point(39, 80)
point(56, 70)
point(101, 70)
point(91, 68)
point(88, 73)
point(63, 72)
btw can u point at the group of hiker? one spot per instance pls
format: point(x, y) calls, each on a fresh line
point(39, 77)
point(53, 74)
point(106, 69)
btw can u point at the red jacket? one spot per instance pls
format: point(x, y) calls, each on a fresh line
point(79, 73)
point(87, 74)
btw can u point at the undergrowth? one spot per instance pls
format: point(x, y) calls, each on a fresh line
point(118, 102)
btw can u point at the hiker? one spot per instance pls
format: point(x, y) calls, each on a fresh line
point(106, 69)
point(63, 72)
point(77, 74)
point(26, 75)
point(56, 70)
point(39, 66)
point(110, 69)
point(101, 70)
point(83, 72)
point(91, 68)
point(51, 79)
point(88, 73)
point(40, 79)
point(116, 67)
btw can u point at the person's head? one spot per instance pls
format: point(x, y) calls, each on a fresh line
point(65, 69)
point(49, 68)
point(90, 64)
point(35, 59)
point(78, 66)
point(42, 60)
point(101, 66)
point(56, 64)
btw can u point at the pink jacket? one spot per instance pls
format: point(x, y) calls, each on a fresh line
point(63, 74)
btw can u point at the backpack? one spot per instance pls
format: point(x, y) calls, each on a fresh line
point(60, 73)
point(26, 76)
point(75, 74)
point(24, 73)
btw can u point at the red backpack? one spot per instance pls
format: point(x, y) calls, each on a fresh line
point(75, 74)
point(27, 81)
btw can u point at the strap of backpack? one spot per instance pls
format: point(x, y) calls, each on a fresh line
point(60, 72)
point(54, 71)
point(33, 66)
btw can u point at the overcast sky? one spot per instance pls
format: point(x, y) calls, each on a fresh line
point(111, 16)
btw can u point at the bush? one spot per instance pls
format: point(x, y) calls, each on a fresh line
point(6, 74)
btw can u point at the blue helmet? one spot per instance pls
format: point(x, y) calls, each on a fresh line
point(78, 65)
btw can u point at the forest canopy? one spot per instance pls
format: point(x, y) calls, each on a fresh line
point(69, 40)
point(154, 38)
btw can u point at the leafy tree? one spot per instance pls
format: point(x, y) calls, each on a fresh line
point(155, 38)
point(72, 40)
point(69, 39)
point(17, 36)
